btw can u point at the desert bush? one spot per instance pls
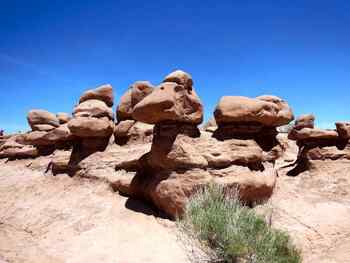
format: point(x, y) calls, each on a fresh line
point(216, 227)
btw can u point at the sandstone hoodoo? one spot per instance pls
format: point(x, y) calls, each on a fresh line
point(182, 159)
point(103, 93)
point(318, 144)
point(42, 120)
point(93, 121)
point(127, 129)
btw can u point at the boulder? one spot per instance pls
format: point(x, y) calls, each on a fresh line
point(93, 108)
point(170, 102)
point(103, 93)
point(285, 114)
point(36, 117)
point(136, 92)
point(63, 117)
point(269, 111)
point(305, 121)
point(85, 127)
point(180, 77)
point(343, 129)
point(312, 134)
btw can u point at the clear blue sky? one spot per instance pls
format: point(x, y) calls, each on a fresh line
point(51, 51)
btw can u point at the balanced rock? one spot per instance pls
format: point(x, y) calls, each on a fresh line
point(182, 159)
point(170, 102)
point(305, 121)
point(136, 92)
point(93, 108)
point(180, 77)
point(42, 120)
point(103, 93)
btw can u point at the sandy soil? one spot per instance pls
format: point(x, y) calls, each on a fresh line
point(63, 219)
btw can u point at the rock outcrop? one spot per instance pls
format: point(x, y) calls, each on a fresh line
point(318, 144)
point(182, 159)
point(127, 129)
point(93, 121)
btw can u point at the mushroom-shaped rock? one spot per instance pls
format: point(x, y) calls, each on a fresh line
point(170, 102)
point(180, 77)
point(238, 109)
point(86, 127)
point(63, 117)
point(343, 129)
point(42, 117)
point(305, 121)
point(310, 134)
point(93, 108)
point(103, 93)
point(136, 92)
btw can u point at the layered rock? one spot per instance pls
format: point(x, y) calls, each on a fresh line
point(92, 124)
point(42, 120)
point(318, 144)
point(127, 129)
point(14, 148)
point(182, 159)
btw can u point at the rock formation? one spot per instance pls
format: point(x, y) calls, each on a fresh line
point(127, 129)
point(182, 159)
point(318, 144)
point(92, 124)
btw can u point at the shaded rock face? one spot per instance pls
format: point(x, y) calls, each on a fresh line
point(318, 144)
point(128, 130)
point(182, 159)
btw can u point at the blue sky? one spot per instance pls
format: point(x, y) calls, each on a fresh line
point(51, 51)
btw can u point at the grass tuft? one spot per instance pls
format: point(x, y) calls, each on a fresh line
point(218, 228)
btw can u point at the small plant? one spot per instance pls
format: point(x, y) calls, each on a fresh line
point(216, 227)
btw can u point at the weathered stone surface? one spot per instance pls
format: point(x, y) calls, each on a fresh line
point(36, 138)
point(309, 134)
point(63, 117)
point(136, 92)
point(43, 127)
point(42, 117)
point(91, 127)
point(170, 102)
point(238, 109)
point(170, 191)
point(19, 153)
point(58, 135)
point(328, 153)
point(210, 126)
point(123, 127)
point(305, 121)
point(93, 108)
point(180, 77)
point(285, 114)
point(343, 129)
point(103, 93)
point(139, 132)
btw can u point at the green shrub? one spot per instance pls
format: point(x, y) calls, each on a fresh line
point(217, 228)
